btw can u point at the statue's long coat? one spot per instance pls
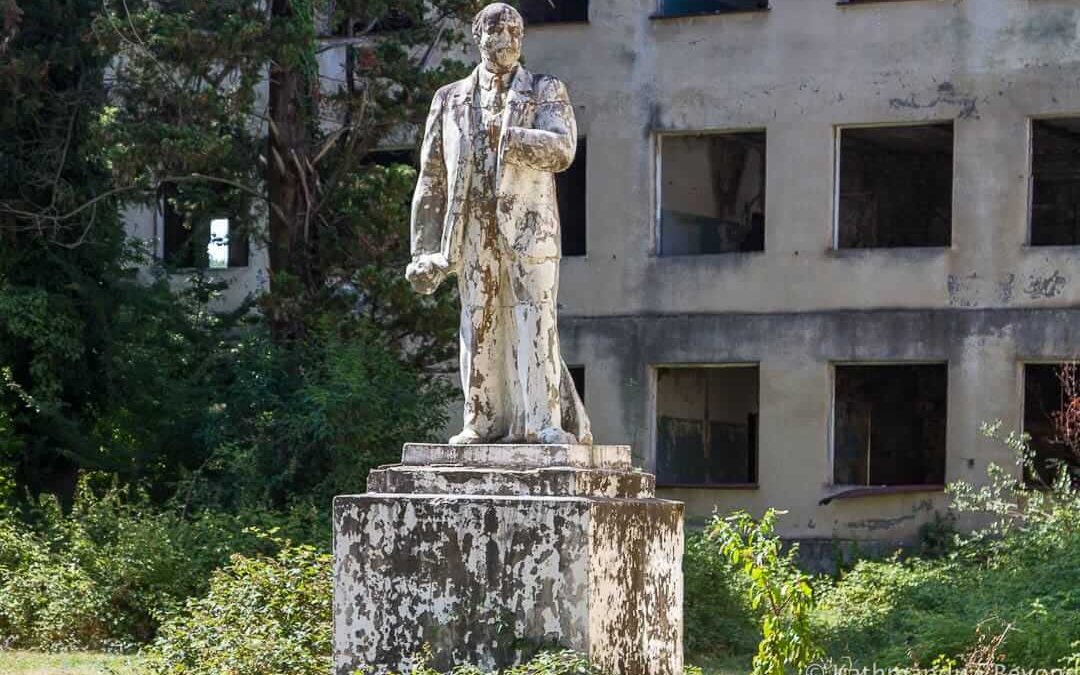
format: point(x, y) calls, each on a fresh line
point(538, 139)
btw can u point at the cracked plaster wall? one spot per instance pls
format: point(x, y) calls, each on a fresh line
point(985, 304)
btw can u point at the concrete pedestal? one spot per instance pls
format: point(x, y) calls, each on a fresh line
point(490, 553)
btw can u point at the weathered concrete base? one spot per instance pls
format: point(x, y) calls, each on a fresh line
point(488, 564)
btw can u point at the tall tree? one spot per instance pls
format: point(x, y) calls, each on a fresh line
point(230, 93)
point(89, 359)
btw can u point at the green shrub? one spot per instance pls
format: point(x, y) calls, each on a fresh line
point(717, 621)
point(102, 576)
point(46, 602)
point(261, 615)
point(301, 423)
point(777, 591)
point(1022, 570)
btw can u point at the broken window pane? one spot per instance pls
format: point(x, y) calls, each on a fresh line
point(391, 157)
point(554, 11)
point(570, 192)
point(889, 425)
point(895, 186)
point(217, 251)
point(684, 7)
point(1055, 182)
point(712, 193)
point(1051, 411)
point(193, 241)
point(707, 425)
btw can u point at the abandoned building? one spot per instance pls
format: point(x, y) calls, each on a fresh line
point(810, 245)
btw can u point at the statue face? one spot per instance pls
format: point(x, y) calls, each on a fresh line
point(500, 42)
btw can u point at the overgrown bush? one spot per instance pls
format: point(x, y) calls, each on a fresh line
point(1023, 570)
point(261, 615)
point(298, 424)
point(717, 622)
point(102, 576)
point(778, 593)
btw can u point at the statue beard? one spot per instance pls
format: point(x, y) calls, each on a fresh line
point(500, 61)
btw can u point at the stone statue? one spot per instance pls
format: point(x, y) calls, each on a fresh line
point(485, 210)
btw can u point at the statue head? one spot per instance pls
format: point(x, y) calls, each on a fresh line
point(497, 30)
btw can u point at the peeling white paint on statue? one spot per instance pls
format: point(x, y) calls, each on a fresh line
point(485, 210)
point(488, 552)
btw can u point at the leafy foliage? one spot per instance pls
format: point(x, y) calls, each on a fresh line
point(261, 615)
point(291, 163)
point(775, 589)
point(99, 369)
point(299, 424)
point(717, 620)
point(1020, 571)
point(102, 576)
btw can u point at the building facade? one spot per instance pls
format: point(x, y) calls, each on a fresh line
point(823, 243)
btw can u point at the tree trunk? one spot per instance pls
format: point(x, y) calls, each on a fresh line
point(288, 144)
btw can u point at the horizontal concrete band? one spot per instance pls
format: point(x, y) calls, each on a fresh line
point(471, 480)
point(520, 456)
point(881, 334)
point(449, 500)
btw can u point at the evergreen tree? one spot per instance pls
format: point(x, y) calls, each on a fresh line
point(96, 368)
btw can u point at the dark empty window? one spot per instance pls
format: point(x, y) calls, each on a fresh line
point(1055, 182)
point(895, 186)
point(389, 157)
point(554, 11)
point(399, 15)
point(193, 239)
point(1051, 413)
point(707, 425)
point(685, 7)
point(577, 374)
point(712, 193)
point(570, 191)
point(889, 425)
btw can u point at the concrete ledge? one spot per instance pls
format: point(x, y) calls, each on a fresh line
point(470, 480)
point(518, 456)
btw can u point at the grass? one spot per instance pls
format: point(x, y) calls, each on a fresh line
point(68, 663)
point(723, 665)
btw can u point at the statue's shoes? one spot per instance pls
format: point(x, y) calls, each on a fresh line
point(467, 437)
point(556, 436)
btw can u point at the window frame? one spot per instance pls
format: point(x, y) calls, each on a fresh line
point(658, 186)
point(838, 130)
point(837, 490)
point(581, 153)
point(1032, 120)
point(660, 14)
point(1022, 382)
point(653, 399)
point(163, 254)
point(558, 22)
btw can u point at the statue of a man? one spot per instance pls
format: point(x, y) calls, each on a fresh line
point(485, 210)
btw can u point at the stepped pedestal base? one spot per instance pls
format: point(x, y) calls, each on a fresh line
point(490, 553)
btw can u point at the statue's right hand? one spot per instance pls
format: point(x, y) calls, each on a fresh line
point(426, 272)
